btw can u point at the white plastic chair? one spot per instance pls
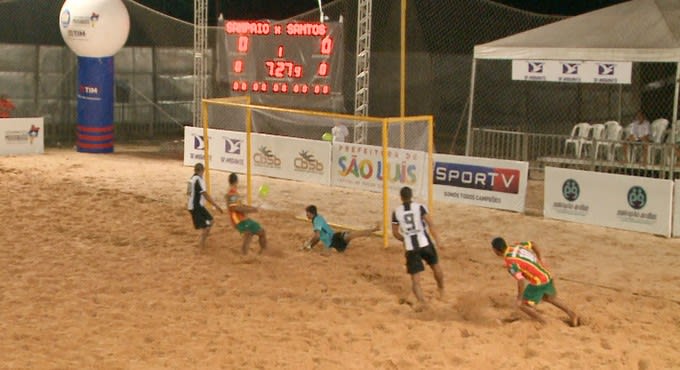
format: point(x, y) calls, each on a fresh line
point(658, 131)
point(596, 134)
point(579, 135)
point(612, 134)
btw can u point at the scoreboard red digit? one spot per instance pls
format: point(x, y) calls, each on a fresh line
point(290, 58)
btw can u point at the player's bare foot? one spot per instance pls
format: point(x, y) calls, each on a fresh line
point(441, 295)
point(419, 306)
point(575, 321)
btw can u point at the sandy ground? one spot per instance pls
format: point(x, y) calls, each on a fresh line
point(100, 269)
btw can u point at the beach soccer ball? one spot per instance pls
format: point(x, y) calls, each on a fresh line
point(263, 191)
point(327, 136)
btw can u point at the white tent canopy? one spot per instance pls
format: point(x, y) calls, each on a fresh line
point(634, 31)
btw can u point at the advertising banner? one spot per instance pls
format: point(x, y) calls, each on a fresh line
point(676, 209)
point(360, 166)
point(22, 136)
point(291, 158)
point(484, 182)
point(572, 71)
point(619, 201)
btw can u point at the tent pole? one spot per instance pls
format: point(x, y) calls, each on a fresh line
point(468, 141)
point(674, 122)
point(620, 102)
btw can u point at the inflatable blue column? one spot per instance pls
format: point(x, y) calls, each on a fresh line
point(95, 105)
point(95, 30)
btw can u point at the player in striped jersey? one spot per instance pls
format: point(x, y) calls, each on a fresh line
point(534, 281)
point(412, 225)
point(198, 195)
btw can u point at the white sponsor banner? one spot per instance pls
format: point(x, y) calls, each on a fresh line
point(361, 167)
point(484, 182)
point(22, 136)
point(572, 71)
point(624, 202)
point(676, 209)
point(291, 158)
point(194, 147)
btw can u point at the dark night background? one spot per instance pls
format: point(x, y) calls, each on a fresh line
point(272, 9)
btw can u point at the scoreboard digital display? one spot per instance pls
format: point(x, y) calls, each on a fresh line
point(292, 58)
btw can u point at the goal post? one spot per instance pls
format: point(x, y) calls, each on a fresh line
point(298, 145)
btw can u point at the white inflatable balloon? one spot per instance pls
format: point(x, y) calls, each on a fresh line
point(94, 28)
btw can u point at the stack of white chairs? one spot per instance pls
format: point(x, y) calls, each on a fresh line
point(658, 131)
point(580, 134)
point(610, 138)
point(596, 134)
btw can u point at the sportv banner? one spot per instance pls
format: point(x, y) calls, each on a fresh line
point(484, 182)
point(624, 202)
point(291, 158)
point(572, 71)
point(22, 136)
point(360, 166)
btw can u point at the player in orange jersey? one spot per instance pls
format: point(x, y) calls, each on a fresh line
point(534, 281)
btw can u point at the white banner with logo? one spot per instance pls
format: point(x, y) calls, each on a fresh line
point(624, 202)
point(484, 182)
point(361, 167)
point(291, 158)
point(572, 71)
point(22, 136)
point(676, 209)
point(227, 149)
point(274, 156)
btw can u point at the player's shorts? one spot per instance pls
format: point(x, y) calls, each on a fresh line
point(249, 226)
point(338, 241)
point(534, 293)
point(415, 258)
point(201, 217)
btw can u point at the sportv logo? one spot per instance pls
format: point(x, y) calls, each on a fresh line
point(307, 162)
point(503, 180)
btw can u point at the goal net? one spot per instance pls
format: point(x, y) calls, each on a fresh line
point(377, 155)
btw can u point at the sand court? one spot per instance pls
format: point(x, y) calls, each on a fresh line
point(101, 269)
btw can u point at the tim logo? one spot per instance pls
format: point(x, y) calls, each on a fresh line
point(232, 146)
point(307, 163)
point(88, 91)
point(264, 157)
point(637, 197)
point(606, 69)
point(503, 180)
point(199, 143)
point(570, 68)
point(535, 67)
point(571, 190)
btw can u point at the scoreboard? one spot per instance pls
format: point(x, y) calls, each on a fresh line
point(283, 61)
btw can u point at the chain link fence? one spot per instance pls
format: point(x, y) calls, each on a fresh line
point(154, 71)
